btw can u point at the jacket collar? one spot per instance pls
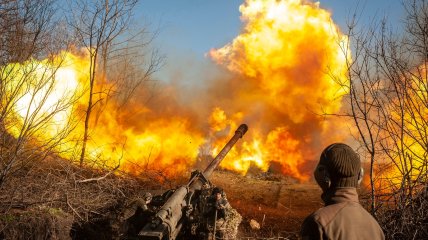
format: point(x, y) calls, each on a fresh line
point(338, 195)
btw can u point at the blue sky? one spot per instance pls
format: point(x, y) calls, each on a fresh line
point(190, 28)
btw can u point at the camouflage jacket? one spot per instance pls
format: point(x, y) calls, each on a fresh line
point(342, 218)
point(217, 206)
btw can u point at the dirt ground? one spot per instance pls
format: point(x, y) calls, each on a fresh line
point(278, 205)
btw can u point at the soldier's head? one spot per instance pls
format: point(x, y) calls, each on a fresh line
point(147, 197)
point(339, 167)
point(218, 193)
point(218, 196)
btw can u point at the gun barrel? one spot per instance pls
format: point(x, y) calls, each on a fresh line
point(168, 220)
point(242, 129)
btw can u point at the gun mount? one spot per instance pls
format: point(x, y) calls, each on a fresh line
point(184, 205)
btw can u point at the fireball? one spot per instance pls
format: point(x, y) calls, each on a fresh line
point(280, 69)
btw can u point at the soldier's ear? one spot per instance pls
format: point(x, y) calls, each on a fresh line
point(360, 176)
point(322, 177)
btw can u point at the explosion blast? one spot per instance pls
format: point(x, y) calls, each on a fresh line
point(280, 70)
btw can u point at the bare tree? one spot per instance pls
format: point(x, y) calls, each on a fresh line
point(102, 28)
point(26, 84)
point(131, 65)
point(26, 29)
point(388, 101)
point(362, 84)
point(96, 25)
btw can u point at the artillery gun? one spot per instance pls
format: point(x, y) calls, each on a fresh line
point(181, 215)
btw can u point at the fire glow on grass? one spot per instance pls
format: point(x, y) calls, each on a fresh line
point(282, 64)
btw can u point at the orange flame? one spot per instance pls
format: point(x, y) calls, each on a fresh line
point(279, 67)
point(284, 53)
point(404, 134)
point(167, 145)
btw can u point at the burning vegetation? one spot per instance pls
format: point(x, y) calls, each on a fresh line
point(290, 74)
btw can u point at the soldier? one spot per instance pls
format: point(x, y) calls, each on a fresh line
point(217, 206)
point(135, 204)
point(220, 203)
point(135, 215)
point(147, 200)
point(338, 174)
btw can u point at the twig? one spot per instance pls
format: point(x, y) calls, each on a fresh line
point(69, 205)
point(98, 178)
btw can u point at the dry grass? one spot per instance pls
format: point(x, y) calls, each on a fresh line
point(45, 199)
